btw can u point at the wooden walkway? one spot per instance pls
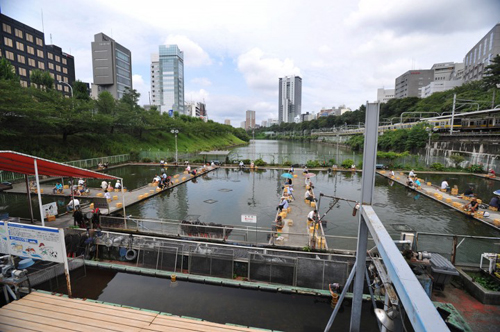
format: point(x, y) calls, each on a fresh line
point(433, 191)
point(128, 197)
point(296, 231)
point(44, 312)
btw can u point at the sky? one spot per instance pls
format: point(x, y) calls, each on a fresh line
point(236, 51)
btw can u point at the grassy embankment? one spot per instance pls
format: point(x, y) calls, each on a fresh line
point(83, 146)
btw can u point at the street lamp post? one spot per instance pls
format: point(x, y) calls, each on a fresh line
point(70, 87)
point(175, 131)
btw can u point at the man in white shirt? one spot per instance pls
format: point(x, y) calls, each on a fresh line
point(107, 195)
point(308, 195)
point(104, 185)
point(118, 185)
point(312, 215)
point(412, 174)
point(445, 185)
point(72, 205)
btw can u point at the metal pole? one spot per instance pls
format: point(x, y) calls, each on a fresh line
point(65, 261)
point(453, 113)
point(123, 200)
point(337, 161)
point(176, 160)
point(39, 194)
point(30, 204)
point(368, 182)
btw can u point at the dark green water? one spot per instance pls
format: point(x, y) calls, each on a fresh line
point(278, 152)
point(243, 192)
point(269, 310)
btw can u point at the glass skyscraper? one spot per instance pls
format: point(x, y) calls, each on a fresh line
point(290, 99)
point(167, 79)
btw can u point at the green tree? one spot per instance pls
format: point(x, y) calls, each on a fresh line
point(7, 71)
point(42, 79)
point(80, 90)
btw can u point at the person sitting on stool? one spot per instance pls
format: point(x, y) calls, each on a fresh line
point(469, 192)
point(472, 206)
point(283, 204)
point(309, 196)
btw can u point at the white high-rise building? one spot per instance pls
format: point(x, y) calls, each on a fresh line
point(290, 98)
point(167, 79)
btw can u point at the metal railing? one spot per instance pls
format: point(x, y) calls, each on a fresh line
point(459, 249)
point(222, 233)
point(94, 162)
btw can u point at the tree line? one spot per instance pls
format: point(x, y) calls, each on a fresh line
point(41, 110)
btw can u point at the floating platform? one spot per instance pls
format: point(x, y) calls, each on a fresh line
point(41, 311)
point(434, 192)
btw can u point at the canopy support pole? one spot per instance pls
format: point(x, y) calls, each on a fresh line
point(39, 193)
point(123, 200)
point(30, 204)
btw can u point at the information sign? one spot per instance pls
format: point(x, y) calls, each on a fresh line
point(36, 242)
point(249, 218)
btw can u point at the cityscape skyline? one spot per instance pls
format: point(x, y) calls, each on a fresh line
point(235, 53)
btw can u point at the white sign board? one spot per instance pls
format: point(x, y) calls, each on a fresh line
point(50, 209)
point(38, 242)
point(249, 218)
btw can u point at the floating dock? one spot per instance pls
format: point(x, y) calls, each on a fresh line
point(297, 232)
point(455, 202)
point(118, 199)
point(40, 311)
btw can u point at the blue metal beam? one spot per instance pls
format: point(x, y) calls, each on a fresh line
point(418, 306)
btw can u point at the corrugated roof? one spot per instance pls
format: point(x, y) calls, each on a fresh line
point(22, 163)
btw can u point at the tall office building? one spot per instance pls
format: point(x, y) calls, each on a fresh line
point(250, 120)
point(480, 56)
point(112, 66)
point(167, 79)
point(410, 83)
point(227, 122)
point(290, 98)
point(26, 51)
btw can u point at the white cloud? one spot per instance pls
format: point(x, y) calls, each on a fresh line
point(262, 73)
point(203, 81)
point(201, 95)
point(194, 55)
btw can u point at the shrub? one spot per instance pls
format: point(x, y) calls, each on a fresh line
point(246, 161)
point(347, 163)
point(287, 163)
point(313, 163)
point(437, 166)
point(260, 162)
point(134, 155)
point(146, 160)
point(360, 165)
point(331, 162)
point(475, 168)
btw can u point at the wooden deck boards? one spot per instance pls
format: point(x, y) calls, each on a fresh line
point(45, 312)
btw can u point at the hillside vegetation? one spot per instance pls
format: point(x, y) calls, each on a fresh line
point(39, 120)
